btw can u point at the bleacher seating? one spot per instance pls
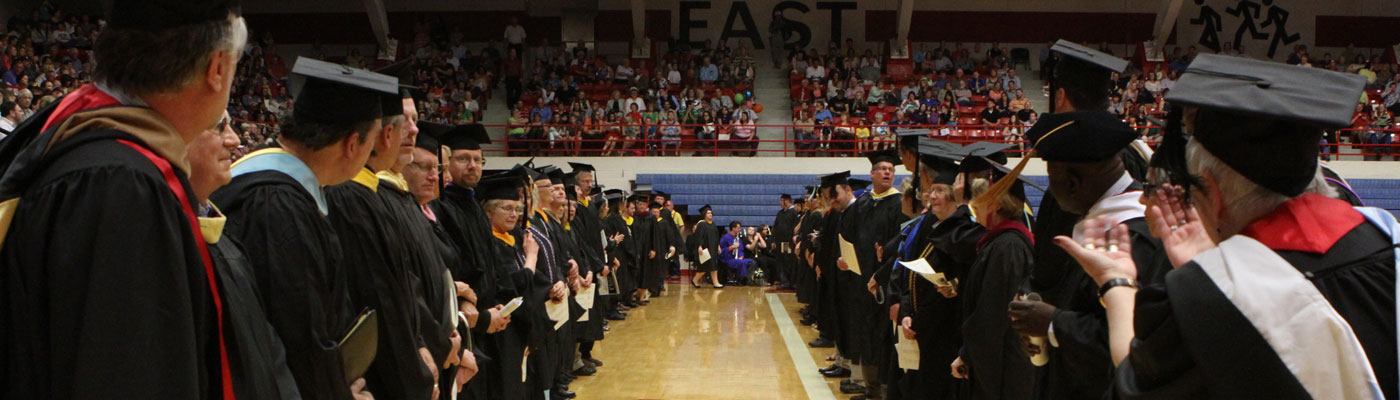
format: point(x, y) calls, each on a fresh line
point(752, 199)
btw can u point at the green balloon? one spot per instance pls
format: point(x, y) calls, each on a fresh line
point(738, 97)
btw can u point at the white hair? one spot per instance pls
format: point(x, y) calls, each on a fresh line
point(1239, 194)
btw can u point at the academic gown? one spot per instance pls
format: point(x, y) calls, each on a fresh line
point(784, 228)
point(587, 228)
point(509, 345)
point(257, 358)
point(950, 247)
point(1080, 365)
point(295, 255)
point(437, 296)
point(998, 368)
point(99, 242)
point(706, 236)
point(623, 252)
point(1356, 275)
point(807, 274)
point(550, 269)
point(380, 278)
point(828, 299)
point(649, 237)
point(873, 220)
point(666, 236)
point(467, 232)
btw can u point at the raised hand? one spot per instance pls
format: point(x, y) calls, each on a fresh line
point(1178, 225)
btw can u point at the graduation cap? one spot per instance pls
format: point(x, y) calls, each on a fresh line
point(614, 194)
point(1080, 136)
point(638, 196)
point(703, 209)
point(657, 194)
point(1264, 119)
point(571, 180)
point(1084, 71)
point(536, 174)
point(982, 156)
point(858, 184)
point(159, 15)
point(428, 134)
point(887, 155)
point(503, 186)
point(553, 173)
point(570, 195)
point(337, 94)
point(465, 137)
point(909, 137)
point(839, 178)
point(941, 158)
point(581, 167)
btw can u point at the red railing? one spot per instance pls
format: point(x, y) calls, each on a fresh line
point(618, 140)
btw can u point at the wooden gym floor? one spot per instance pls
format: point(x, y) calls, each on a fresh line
point(710, 344)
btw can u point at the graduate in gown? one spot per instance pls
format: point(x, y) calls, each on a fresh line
point(587, 228)
point(550, 281)
point(837, 189)
point(705, 239)
point(276, 208)
point(257, 359)
point(617, 227)
point(1227, 323)
point(991, 358)
point(108, 291)
point(646, 237)
point(514, 260)
point(928, 314)
point(784, 228)
point(463, 222)
point(874, 219)
point(807, 272)
point(377, 262)
point(1086, 145)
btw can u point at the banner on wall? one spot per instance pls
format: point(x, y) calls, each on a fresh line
point(1266, 29)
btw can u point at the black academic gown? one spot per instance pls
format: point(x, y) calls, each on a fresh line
point(951, 248)
point(1081, 367)
point(295, 255)
point(828, 300)
point(550, 269)
point(257, 359)
point(380, 278)
point(437, 296)
point(587, 227)
point(509, 345)
point(666, 236)
point(650, 245)
point(1169, 359)
point(871, 221)
point(706, 236)
point(99, 242)
point(463, 224)
point(784, 228)
point(807, 274)
point(998, 368)
point(623, 252)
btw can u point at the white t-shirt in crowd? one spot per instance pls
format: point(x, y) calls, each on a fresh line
point(515, 34)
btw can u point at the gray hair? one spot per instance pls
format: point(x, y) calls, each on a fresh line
point(1240, 194)
point(140, 62)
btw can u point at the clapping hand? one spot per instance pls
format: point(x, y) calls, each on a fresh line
point(1177, 224)
point(1103, 254)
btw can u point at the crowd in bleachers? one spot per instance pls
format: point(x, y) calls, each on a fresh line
point(43, 55)
point(578, 102)
point(844, 100)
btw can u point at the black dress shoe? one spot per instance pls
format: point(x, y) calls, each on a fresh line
point(821, 342)
point(808, 321)
point(616, 316)
point(829, 369)
point(586, 370)
point(852, 388)
point(596, 363)
point(559, 393)
point(842, 373)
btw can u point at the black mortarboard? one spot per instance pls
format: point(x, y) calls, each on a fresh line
point(887, 155)
point(1080, 136)
point(638, 196)
point(858, 184)
point(941, 158)
point(1265, 119)
point(555, 175)
point(909, 137)
point(614, 194)
point(337, 94)
point(428, 134)
point(981, 156)
point(581, 167)
point(159, 15)
point(800, 200)
point(660, 195)
point(465, 137)
point(570, 194)
point(1080, 53)
point(703, 209)
point(505, 186)
point(571, 180)
point(839, 178)
point(536, 174)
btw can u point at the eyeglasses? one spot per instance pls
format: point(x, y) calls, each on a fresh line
point(433, 167)
point(223, 123)
point(467, 159)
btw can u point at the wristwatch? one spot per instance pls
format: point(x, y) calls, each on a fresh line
point(1113, 283)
